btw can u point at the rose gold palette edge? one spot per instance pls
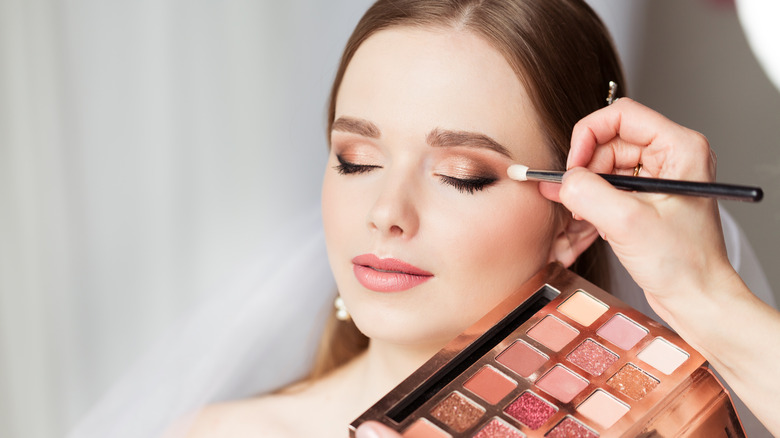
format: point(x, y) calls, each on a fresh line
point(560, 358)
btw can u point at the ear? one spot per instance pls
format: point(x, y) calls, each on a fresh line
point(573, 239)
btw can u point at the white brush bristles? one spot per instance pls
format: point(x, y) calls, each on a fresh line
point(517, 172)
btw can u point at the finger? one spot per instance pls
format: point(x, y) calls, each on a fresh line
point(592, 198)
point(550, 191)
point(373, 429)
point(632, 122)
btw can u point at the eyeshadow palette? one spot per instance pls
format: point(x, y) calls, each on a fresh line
point(560, 358)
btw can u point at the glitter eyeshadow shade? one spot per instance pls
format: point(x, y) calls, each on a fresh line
point(571, 428)
point(457, 412)
point(498, 428)
point(633, 382)
point(530, 410)
point(592, 357)
point(560, 358)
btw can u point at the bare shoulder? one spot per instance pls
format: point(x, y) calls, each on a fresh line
point(268, 416)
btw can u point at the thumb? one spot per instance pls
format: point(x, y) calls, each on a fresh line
point(592, 198)
point(373, 429)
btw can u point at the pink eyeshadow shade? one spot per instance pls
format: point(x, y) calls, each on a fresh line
point(490, 384)
point(530, 410)
point(562, 383)
point(521, 358)
point(602, 408)
point(498, 428)
point(553, 333)
point(423, 428)
point(622, 332)
point(571, 428)
point(592, 357)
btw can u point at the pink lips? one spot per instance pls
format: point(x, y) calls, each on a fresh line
point(387, 275)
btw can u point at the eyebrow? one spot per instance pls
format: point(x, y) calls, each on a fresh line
point(436, 138)
point(445, 138)
point(356, 126)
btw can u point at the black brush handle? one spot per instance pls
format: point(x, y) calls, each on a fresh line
point(689, 188)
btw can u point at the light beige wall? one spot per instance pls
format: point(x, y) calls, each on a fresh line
point(695, 66)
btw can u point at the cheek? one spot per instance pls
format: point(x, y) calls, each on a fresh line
point(505, 240)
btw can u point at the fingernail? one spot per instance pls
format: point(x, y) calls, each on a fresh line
point(366, 431)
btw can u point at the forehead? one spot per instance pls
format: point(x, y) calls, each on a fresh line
point(415, 79)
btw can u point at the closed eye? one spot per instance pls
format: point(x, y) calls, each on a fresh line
point(469, 185)
point(346, 168)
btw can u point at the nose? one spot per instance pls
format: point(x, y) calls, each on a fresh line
point(394, 213)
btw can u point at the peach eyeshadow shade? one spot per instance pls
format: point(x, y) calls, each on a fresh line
point(522, 358)
point(490, 384)
point(423, 428)
point(582, 308)
point(571, 428)
point(553, 333)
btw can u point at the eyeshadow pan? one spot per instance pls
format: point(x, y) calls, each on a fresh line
point(423, 428)
point(530, 410)
point(622, 332)
point(562, 383)
point(592, 357)
point(553, 333)
point(602, 408)
point(663, 356)
point(490, 384)
point(633, 382)
point(457, 412)
point(521, 358)
point(571, 428)
point(498, 428)
point(582, 308)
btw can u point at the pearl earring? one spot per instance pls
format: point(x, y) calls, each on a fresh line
point(342, 314)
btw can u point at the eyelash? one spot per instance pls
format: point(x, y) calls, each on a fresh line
point(469, 186)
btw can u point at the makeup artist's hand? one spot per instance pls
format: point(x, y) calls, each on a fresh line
point(673, 245)
point(373, 429)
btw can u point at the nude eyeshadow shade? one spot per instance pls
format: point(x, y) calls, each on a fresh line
point(553, 333)
point(522, 358)
point(490, 384)
point(558, 358)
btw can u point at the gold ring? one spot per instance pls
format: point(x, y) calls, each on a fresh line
point(637, 169)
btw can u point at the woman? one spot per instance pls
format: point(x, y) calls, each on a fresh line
point(431, 103)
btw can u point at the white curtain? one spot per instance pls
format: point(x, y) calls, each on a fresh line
point(146, 148)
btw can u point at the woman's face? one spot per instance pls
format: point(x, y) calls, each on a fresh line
point(425, 232)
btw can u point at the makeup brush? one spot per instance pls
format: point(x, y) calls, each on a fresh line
point(650, 185)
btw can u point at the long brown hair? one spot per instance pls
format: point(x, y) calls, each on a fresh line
point(563, 56)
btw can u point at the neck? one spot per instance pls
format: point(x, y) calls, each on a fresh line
point(385, 365)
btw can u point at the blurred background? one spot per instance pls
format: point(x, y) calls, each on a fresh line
point(149, 147)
